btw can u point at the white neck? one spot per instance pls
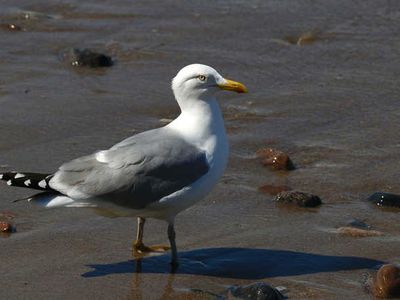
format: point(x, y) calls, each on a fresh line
point(199, 121)
point(201, 124)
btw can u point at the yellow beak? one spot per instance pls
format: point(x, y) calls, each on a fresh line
point(231, 85)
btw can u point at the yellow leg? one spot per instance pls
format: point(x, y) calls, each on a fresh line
point(139, 249)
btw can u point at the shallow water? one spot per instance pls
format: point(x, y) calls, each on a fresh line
point(331, 104)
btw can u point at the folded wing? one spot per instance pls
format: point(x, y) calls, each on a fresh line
point(135, 172)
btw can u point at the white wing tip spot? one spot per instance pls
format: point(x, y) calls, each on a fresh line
point(19, 175)
point(27, 182)
point(43, 184)
point(101, 156)
point(9, 182)
point(1, 176)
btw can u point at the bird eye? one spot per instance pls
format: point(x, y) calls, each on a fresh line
point(202, 77)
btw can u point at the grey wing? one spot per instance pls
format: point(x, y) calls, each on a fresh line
point(135, 172)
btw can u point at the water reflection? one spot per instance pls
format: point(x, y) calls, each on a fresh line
point(138, 282)
point(240, 263)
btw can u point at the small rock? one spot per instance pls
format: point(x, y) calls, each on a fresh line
point(385, 199)
point(11, 27)
point(273, 189)
point(87, 58)
point(358, 232)
point(299, 198)
point(387, 282)
point(6, 226)
point(275, 159)
point(255, 291)
point(359, 224)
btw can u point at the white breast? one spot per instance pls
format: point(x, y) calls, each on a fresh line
point(204, 128)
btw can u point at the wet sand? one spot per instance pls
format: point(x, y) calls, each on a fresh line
point(330, 102)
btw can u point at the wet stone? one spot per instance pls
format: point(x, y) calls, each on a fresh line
point(87, 58)
point(275, 159)
point(385, 199)
point(300, 198)
point(6, 226)
point(358, 224)
point(387, 282)
point(255, 291)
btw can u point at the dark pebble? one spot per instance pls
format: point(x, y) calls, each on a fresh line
point(275, 159)
point(385, 199)
point(359, 224)
point(387, 282)
point(87, 58)
point(299, 198)
point(273, 189)
point(255, 291)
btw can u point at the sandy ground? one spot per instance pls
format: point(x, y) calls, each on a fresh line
point(330, 100)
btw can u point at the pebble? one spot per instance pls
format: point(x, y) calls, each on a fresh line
point(87, 58)
point(254, 291)
point(6, 226)
point(385, 199)
point(358, 224)
point(276, 159)
point(387, 282)
point(300, 198)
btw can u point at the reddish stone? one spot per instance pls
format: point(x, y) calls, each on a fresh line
point(276, 159)
point(387, 282)
point(5, 226)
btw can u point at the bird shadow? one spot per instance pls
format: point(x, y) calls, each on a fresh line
point(238, 263)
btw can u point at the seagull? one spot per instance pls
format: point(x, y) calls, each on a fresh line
point(153, 174)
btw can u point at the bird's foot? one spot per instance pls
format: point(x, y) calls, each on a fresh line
point(139, 249)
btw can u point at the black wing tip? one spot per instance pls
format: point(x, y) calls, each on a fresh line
point(36, 181)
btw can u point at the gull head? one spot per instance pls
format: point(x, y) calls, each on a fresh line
point(198, 81)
